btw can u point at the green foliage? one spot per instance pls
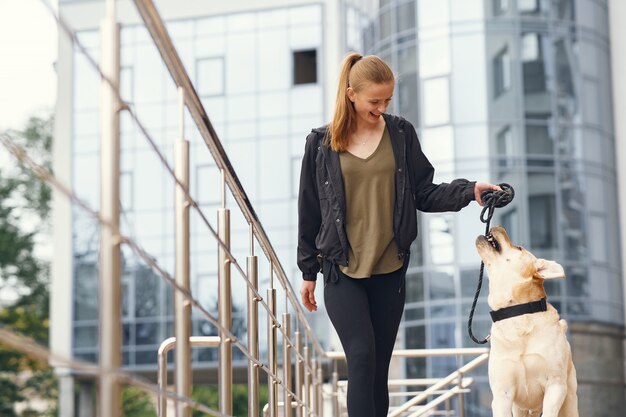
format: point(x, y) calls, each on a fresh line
point(24, 208)
point(137, 403)
point(209, 396)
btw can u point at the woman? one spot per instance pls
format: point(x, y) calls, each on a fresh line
point(363, 177)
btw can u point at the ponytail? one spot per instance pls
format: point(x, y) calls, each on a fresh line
point(356, 71)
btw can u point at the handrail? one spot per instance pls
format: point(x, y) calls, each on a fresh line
point(436, 386)
point(164, 348)
point(165, 45)
point(419, 353)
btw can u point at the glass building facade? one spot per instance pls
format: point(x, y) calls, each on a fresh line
point(257, 74)
point(516, 92)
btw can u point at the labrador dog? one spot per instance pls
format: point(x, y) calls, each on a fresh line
point(530, 363)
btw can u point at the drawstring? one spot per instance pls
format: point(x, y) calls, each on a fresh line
point(491, 200)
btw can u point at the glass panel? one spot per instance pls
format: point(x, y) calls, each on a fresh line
point(438, 145)
point(534, 63)
point(469, 281)
point(504, 145)
point(441, 285)
point(210, 76)
point(85, 336)
point(442, 336)
point(406, 16)
point(502, 72)
point(434, 57)
point(510, 222)
point(565, 59)
point(441, 242)
point(385, 24)
point(542, 221)
point(533, 7)
point(414, 287)
point(432, 13)
point(500, 6)
point(597, 238)
point(147, 334)
point(241, 63)
point(407, 60)
point(407, 104)
point(85, 291)
point(241, 22)
point(436, 101)
point(415, 339)
point(539, 140)
point(467, 10)
point(572, 209)
point(147, 286)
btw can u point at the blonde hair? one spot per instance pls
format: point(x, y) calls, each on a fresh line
point(356, 72)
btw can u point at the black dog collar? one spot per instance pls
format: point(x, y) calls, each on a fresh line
point(518, 310)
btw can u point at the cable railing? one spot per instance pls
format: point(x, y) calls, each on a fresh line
point(297, 382)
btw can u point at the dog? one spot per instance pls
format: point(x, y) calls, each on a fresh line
point(530, 363)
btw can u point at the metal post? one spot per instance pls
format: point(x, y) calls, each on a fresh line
point(314, 386)
point(272, 354)
point(307, 380)
point(335, 398)
point(253, 338)
point(182, 307)
point(110, 337)
point(299, 373)
point(319, 398)
point(287, 366)
point(164, 348)
point(225, 359)
point(461, 396)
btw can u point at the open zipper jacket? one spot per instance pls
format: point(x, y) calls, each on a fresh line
point(322, 200)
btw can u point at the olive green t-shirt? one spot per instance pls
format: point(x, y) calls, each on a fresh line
point(370, 195)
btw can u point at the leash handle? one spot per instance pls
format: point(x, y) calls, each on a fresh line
point(491, 200)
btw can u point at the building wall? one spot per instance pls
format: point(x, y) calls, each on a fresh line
point(516, 92)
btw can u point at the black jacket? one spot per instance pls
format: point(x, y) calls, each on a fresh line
point(322, 201)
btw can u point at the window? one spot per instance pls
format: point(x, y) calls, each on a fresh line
point(502, 72)
point(510, 222)
point(500, 7)
point(542, 221)
point(126, 191)
point(210, 75)
point(528, 6)
point(305, 67)
point(208, 184)
point(504, 146)
point(436, 101)
point(533, 65)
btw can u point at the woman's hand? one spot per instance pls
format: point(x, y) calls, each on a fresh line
point(481, 187)
point(307, 292)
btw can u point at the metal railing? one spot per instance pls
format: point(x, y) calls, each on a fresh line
point(297, 385)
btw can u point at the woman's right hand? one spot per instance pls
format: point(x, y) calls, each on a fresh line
point(307, 292)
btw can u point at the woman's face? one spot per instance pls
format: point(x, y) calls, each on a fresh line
point(371, 101)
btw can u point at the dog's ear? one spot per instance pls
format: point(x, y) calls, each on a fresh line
point(549, 269)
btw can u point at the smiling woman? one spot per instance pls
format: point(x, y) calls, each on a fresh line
point(28, 47)
point(363, 177)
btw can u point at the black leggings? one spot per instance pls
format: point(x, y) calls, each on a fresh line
point(366, 314)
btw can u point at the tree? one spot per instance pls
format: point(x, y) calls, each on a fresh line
point(24, 209)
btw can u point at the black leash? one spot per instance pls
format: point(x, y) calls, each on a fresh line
point(491, 200)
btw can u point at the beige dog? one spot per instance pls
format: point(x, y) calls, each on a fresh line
point(530, 363)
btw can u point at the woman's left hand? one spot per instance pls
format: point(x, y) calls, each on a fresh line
point(481, 187)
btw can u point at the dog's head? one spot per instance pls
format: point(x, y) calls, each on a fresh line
point(514, 270)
